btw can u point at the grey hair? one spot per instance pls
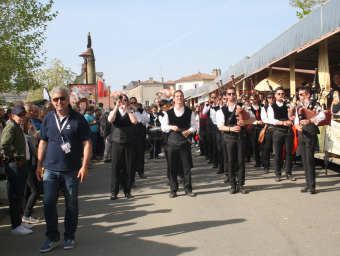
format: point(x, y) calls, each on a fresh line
point(47, 104)
point(28, 105)
point(59, 89)
point(42, 108)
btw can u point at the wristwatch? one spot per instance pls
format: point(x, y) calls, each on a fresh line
point(310, 121)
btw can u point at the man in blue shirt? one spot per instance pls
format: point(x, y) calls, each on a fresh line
point(64, 137)
point(93, 123)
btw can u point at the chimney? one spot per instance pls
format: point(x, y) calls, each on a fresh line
point(151, 80)
point(214, 72)
point(162, 80)
point(219, 72)
point(138, 82)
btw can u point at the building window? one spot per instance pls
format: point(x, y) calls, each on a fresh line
point(180, 87)
point(146, 103)
point(195, 86)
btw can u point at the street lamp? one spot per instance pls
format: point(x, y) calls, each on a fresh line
point(86, 55)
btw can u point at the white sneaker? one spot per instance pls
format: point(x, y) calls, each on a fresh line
point(26, 225)
point(161, 154)
point(30, 220)
point(21, 231)
point(198, 151)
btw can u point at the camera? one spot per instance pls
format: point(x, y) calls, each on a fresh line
point(120, 97)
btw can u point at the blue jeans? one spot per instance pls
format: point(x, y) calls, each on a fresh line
point(16, 183)
point(70, 184)
point(94, 143)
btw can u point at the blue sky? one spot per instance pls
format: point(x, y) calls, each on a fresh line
point(135, 40)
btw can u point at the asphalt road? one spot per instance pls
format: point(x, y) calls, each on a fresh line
point(273, 219)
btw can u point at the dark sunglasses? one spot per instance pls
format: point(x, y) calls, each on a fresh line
point(125, 100)
point(212, 97)
point(301, 94)
point(62, 98)
point(270, 97)
point(133, 102)
point(232, 93)
point(280, 93)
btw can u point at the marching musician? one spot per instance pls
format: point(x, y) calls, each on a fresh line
point(201, 131)
point(283, 134)
point(211, 113)
point(217, 136)
point(335, 108)
point(154, 135)
point(268, 140)
point(122, 152)
point(235, 138)
point(308, 131)
point(256, 129)
point(180, 123)
point(224, 148)
point(140, 135)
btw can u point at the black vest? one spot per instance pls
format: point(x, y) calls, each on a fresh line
point(308, 128)
point(209, 120)
point(152, 120)
point(183, 122)
point(165, 135)
point(232, 122)
point(257, 127)
point(122, 131)
point(281, 114)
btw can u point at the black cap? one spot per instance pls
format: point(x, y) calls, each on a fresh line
point(18, 109)
point(304, 83)
point(271, 94)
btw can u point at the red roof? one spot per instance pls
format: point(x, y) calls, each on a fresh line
point(198, 76)
point(154, 82)
point(170, 82)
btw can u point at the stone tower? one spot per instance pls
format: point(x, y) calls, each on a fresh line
point(91, 67)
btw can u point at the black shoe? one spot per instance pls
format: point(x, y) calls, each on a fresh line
point(167, 184)
point(214, 166)
point(150, 158)
point(219, 172)
point(172, 194)
point(142, 176)
point(265, 170)
point(133, 185)
point(247, 160)
point(277, 178)
point(190, 194)
point(312, 191)
point(290, 177)
point(156, 157)
point(305, 190)
point(232, 190)
point(241, 189)
point(113, 197)
point(107, 161)
point(226, 179)
point(257, 165)
point(128, 195)
point(210, 162)
point(120, 186)
point(206, 158)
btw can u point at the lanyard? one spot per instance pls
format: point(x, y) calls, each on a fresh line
point(58, 124)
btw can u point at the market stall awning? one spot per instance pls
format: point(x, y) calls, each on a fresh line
point(274, 81)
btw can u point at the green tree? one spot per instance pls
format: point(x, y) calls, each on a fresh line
point(306, 6)
point(22, 27)
point(55, 74)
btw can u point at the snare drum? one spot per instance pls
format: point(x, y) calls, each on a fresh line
point(155, 133)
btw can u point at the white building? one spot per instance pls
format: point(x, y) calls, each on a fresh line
point(195, 81)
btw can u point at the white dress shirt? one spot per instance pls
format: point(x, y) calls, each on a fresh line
point(165, 121)
point(320, 117)
point(206, 109)
point(264, 115)
point(198, 122)
point(160, 117)
point(221, 118)
point(256, 107)
point(270, 113)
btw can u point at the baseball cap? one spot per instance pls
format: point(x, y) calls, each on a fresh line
point(18, 109)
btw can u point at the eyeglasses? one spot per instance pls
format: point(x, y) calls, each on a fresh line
point(224, 98)
point(165, 106)
point(232, 93)
point(251, 99)
point(301, 94)
point(213, 97)
point(62, 98)
point(280, 93)
point(270, 97)
point(134, 102)
point(125, 100)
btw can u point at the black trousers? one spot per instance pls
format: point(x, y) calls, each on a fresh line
point(307, 144)
point(215, 159)
point(255, 133)
point(140, 138)
point(31, 192)
point(220, 158)
point(225, 154)
point(236, 153)
point(281, 138)
point(268, 145)
point(210, 140)
point(123, 159)
point(182, 152)
point(156, 148)
point(203, 143)
point(249, 146)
